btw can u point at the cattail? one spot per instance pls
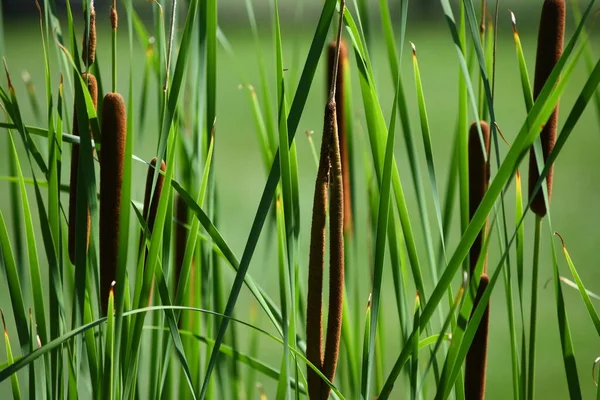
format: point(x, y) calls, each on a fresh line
point(114, 134)
point(330, 169)
point(88, 52)
point(550, 47)
point(336, 261)
point(93, 89)
point(340, 99)
point(479, 176)
point(114, 16)
point(314, 303)
point(477, 354)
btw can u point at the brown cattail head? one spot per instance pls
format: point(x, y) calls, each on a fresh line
point(330, 170)
point(479, 176)
point(477, 354)
point(340, 99)
point(93, 89)
point(114, 17)
point(550, 47)
point(314, 302)
point(336, 262)
point(88, 52)
point(114, 136)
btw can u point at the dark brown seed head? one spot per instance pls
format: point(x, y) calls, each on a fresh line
point(88, 52)
point(336, 263)
point(329, 171)
point(314, 302)
point(477, 354)
point(550, 47)
point(93, 89)
point(114, 136)
point(114, 17)
point(340, 99)
point(479, 176)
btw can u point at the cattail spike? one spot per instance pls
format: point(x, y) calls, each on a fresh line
point(93, 89)
point(477, 355)
point(314, 303)
point(479, 176)
point(550, 47)
point(114, 136)
point(336, 262)
point(340, 99)
point(88, 52)
point(114, 16)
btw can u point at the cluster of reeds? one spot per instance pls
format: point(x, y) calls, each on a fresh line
point(112, 338)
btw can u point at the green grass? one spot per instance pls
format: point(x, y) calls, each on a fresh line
point(229, 197)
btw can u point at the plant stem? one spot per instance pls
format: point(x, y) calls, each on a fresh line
point(532, 321)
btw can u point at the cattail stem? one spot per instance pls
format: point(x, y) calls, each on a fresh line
point(550, 47)
point(114, 134)
point(114, 23)
point(477, 356)
point(533, 314)
point(93, 89)
point(479, 176)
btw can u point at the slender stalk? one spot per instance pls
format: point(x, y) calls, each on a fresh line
point(533, 316)
point(114, 23)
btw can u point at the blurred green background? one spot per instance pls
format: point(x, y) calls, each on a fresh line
point(241, 177)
